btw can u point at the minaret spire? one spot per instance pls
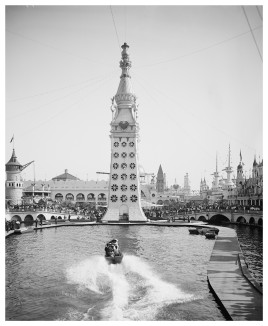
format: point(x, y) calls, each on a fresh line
point(229, 170)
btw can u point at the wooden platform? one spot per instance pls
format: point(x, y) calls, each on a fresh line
point(240, 299)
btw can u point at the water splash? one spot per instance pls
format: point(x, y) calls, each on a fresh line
point(136, 291)
point(90, 273)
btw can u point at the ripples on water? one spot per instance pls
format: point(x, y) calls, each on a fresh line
point(61, 274)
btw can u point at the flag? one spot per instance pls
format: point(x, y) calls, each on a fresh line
point(12, 139)
point(240, 156)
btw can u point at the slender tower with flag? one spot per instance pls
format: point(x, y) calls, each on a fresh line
point(124, 200)
point(14, 183)
point(215, 184)
point(228, 182)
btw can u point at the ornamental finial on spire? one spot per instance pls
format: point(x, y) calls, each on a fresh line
point(125, 95)
point(125, 63)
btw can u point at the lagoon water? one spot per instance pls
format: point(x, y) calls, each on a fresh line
point(61, 274)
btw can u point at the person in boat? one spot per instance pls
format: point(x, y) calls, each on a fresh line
point(112, 248)
point(109, 250)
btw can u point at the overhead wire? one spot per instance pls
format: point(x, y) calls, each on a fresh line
point(197, 51)
point(253, 36)
point(54, 47)
point(53, 90)
point(50, 102)
point(148, 92)
point(115, 28)
point(259, 13)
point(66, 108)
point(125, 23)
point(198, 118)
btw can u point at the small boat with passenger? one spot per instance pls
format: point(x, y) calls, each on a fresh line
point(113, 254)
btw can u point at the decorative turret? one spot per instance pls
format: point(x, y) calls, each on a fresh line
point(186, 184)
point(160, 180)
point(255, 162)
point(14, 183)
point(13, 164)
point(240, 174)
point(124, 202)
point(215, 184)
point(229, 183)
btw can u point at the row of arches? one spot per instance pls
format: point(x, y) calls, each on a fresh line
point(214, 219)
point(29, 218)
point(223, 219)
point(80, 197)
point(89, 197)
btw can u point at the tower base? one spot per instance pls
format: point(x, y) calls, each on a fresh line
point(135, 215)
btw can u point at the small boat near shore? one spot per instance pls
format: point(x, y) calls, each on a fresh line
point(193, 231)
point(210, 235)
point(203, 231)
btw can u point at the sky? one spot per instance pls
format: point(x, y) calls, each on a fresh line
point(197, 72)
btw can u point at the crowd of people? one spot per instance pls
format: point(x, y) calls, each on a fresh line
point(170, 213)
point(12, 225)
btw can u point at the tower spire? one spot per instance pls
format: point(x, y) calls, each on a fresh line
point(229, 157)
point(124, 201)
point(125, 95)
point(216, 175)
point(229, 170)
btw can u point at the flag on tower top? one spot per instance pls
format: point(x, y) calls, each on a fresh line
point(12, 139)
point(240, 156)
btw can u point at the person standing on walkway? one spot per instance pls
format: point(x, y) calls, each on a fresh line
point(36, 221)
point(17, 225)
point(56, 220)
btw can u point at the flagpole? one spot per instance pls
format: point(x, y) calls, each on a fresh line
point(13, 142)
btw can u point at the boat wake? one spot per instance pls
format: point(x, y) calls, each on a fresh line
point(127, 291)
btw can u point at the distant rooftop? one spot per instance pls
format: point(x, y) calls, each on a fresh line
point(65, 176)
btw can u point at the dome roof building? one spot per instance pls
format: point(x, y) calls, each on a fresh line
point(65, 176)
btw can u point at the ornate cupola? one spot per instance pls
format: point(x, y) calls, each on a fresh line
point(124, 202)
